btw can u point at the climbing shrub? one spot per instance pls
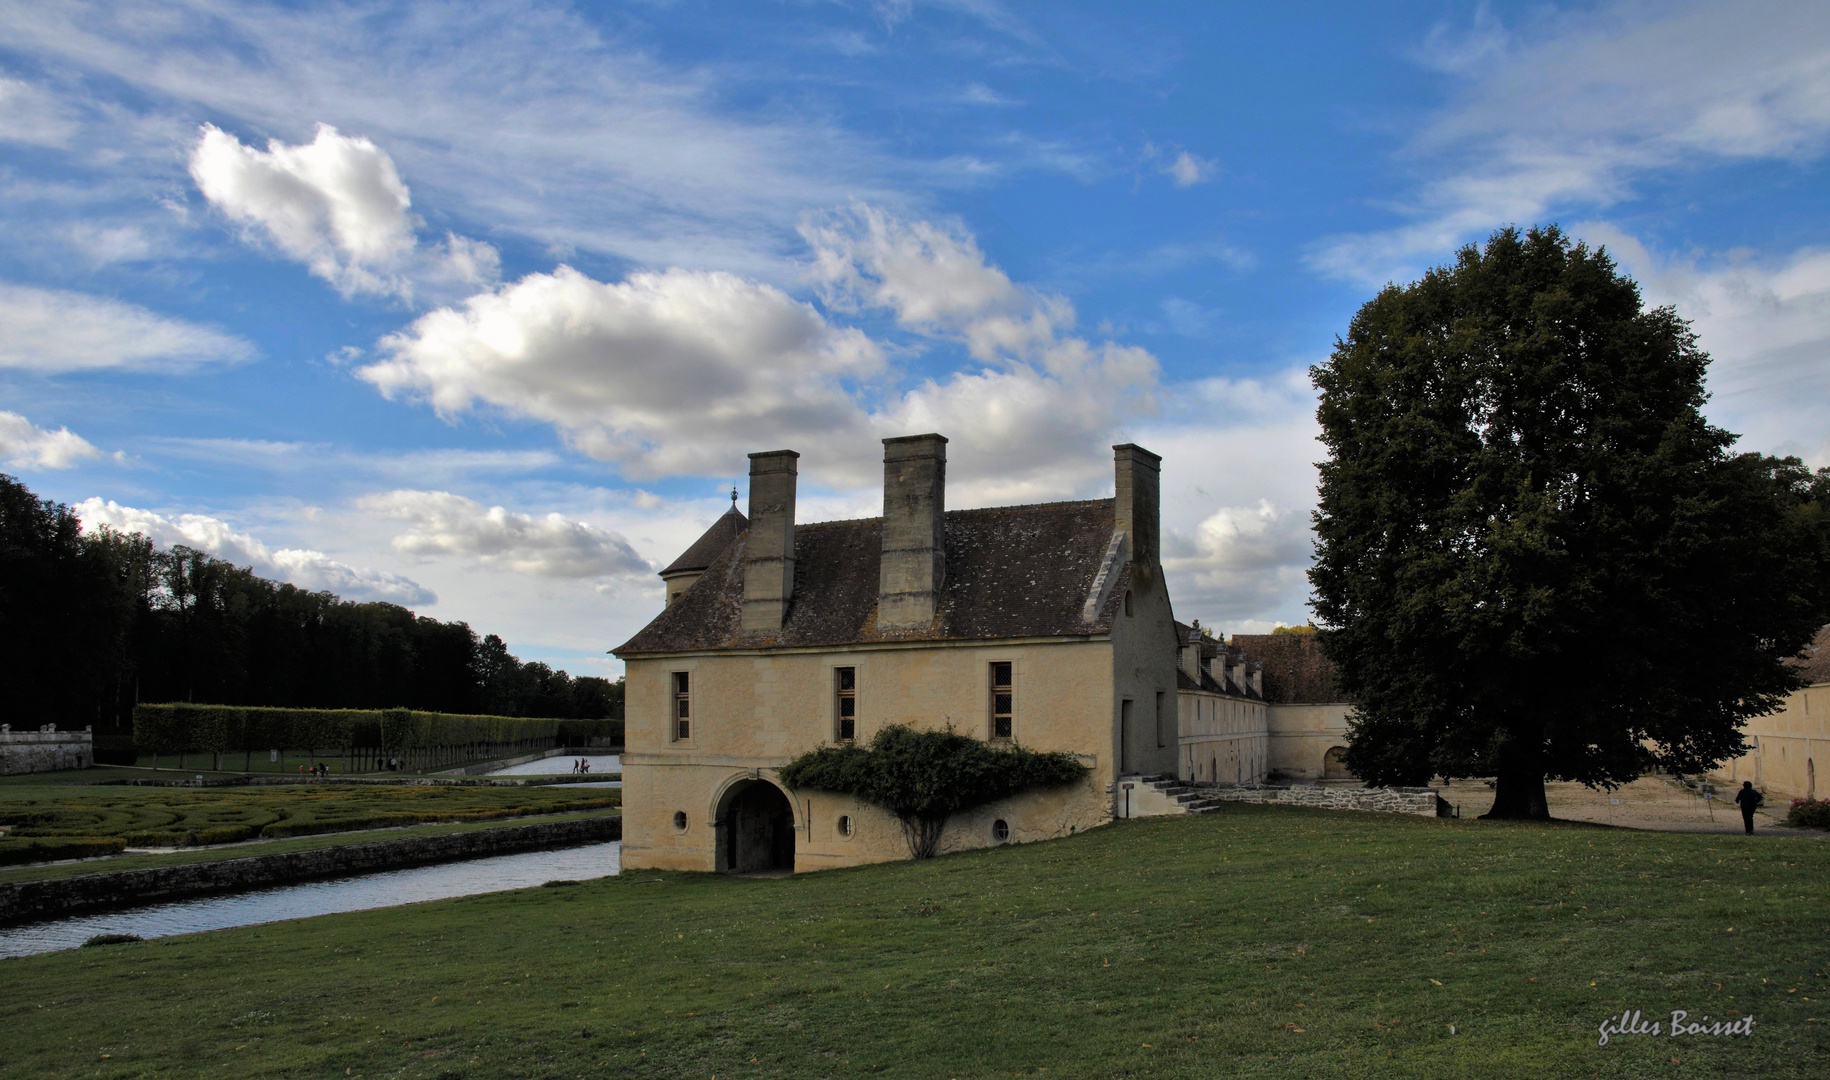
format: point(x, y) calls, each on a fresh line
point(925, 777)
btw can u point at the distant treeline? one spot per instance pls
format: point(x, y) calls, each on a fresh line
point(94, 621)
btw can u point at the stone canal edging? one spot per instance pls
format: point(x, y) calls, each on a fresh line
point(24, 901)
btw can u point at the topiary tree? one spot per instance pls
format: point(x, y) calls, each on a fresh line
point(925, 777)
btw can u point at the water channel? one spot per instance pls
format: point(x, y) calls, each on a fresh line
point(492, 874)
point(562, 765)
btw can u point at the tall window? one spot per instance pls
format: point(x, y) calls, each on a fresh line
point(1000, 700)
point(683, 706)
point(1162, 719)
point(846, 680)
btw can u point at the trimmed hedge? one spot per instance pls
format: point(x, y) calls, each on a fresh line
point(16, 852)
point(427, 738)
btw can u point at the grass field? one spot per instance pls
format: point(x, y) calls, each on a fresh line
point(45, 822)
point(1254, 942)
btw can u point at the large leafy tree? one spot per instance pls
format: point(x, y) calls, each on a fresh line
point(1535, 557)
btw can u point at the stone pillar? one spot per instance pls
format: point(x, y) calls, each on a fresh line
point(914, 566)
point(768, 556)
point(1138, 483)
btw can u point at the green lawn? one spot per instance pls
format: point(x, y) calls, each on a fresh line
point(1254, 942)
point(42, 821)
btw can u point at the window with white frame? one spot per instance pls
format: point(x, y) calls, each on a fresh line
point(845, 705)
point(683, 706)
point(1002, 696)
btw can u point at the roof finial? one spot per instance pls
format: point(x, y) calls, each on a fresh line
point(733, 496)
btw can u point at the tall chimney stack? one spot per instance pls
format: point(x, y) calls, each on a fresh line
point(1138, 479)
point(768, 556)
point(914, 558)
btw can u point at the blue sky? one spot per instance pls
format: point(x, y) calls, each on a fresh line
point(477, 307)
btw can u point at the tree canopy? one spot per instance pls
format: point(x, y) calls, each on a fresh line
point(93, 622)
point(925, 777)
point(1535, 556)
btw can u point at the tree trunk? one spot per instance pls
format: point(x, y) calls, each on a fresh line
point(923, 835)
point(1519, 794)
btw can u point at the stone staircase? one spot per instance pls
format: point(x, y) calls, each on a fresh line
point(1157, 796)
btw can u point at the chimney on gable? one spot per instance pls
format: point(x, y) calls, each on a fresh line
point(768, 555)
point(914, 567)
point(1138, 482)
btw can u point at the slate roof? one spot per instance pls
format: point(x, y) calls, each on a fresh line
point(1816, 663)
point(1012, 571)
point(723, 533)
point(1210, 648)
point(1313, 680)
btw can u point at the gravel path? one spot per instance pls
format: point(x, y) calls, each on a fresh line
point(1651, 802)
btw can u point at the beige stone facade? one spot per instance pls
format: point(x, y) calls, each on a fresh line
point(1789, 749)
point(1047, 626)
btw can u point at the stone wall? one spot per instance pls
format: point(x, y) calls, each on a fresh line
point(44, 750)
point(23, 901)
point(1403, 800)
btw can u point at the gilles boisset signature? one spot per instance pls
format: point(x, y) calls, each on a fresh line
point(1632, 1023)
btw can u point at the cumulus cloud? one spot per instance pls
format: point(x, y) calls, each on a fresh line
point(24, 445)
point(54, 330)
point(336, 204)
point(665, 373)
point(1238, 491)
point(1576, 112)
point(683, 372)
point(302, 567)
point(551, 546)
point(1766, 325)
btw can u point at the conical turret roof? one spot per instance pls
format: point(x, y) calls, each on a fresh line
point(708, 547)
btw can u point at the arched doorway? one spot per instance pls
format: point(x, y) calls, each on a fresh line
point(755, 829)
point(1334, 764)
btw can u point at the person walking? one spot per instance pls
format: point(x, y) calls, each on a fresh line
point(1747, 798)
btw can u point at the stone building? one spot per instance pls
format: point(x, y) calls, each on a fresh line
point(1047, 625)
point(1786, 746)
point(1225, 730)
point(1305, 712)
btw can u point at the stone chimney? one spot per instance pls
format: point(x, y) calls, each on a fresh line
point(914, 566)
point(1239, 672)
point(1258, 678)
point(1217, 666)
point(1137, 477)
point(768, 556)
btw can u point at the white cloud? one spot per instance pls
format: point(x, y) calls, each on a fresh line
point(336, 204)
point(302, 567)
point(522, 115)
point(684, 372)
point(1574, 114)
point(1187, 170)
point(665, 373)
point(1766, 325)
point(53, 330)
point(552, 546)
point(1238, 489)
point(32, 115)
point(24, 445)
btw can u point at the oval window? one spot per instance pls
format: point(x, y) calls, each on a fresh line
point(844, 824)
point(680, 820)
point(1000, 830)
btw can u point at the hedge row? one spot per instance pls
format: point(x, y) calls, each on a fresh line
point(236, 729)
point(17, 852)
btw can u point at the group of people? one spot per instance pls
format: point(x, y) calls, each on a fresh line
point(581, 766)
point(319, 769)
